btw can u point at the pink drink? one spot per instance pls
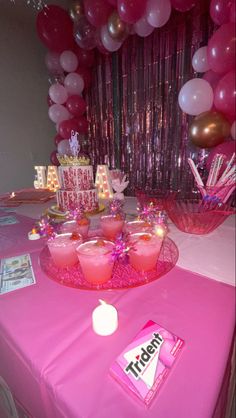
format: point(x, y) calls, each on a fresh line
point(63, 250)
point(81, 227)
point(137, 226)
point(147, 247)
point(111, 226)
point(96, 260)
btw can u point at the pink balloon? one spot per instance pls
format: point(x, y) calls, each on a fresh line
point(57, 113)
point(97, 12)
point(68, 61)
point(212, 78)
point(226, 148)
point(142, 27)
point(200, 61)
point(130, 11)
point(158, 12)
point(233, 130)
point(58, 93)
point(74, 84)
point(63, 147)
point(52, 61)
point(53, 158)
point(112, 2)
point(225, 94)
point(221, 49)
point(196, 96)
point(57, 139)
point(108, 42)
point(76, 105)
point(183, 5)
point(220, 11)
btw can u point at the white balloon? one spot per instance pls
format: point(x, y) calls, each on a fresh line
point(108, 42)
point(74, 83)
point(142, 27)
point(158, 12)
point(57, 113)
point(58, 93)
point(63, 147)
point(233, 130)
point(200, 61)
point(68, 61)
point(196, 96)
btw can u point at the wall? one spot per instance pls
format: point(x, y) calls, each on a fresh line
point(26, 133)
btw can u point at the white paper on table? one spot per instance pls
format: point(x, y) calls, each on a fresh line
point(16, 273)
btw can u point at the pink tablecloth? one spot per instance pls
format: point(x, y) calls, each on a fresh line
point(58, 368)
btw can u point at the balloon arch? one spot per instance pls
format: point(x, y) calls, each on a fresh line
point(72, 37)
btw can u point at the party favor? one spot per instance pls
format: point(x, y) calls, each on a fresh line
point(145, 363)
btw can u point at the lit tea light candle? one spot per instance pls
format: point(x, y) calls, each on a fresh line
point(160, 230)
point(33, 235)
point(12, 195)
point(104, 319)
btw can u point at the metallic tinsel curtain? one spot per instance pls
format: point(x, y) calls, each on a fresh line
point(135, 121)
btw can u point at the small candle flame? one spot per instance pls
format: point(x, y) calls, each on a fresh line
point(34, 231)
point(12, 195)
point(160, 231)
point(102, 302)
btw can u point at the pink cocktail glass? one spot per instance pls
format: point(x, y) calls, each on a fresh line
point(95, 257)
point(146, 251)
point(63, 249)
point(111, 226)
point(80, 226)
point(137, 226)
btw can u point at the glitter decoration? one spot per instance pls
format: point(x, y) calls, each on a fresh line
point(44, 228)
point(115, 207)
point(76, 213)
point(36, 4)
point(121, 248)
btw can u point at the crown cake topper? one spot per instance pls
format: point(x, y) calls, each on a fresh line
point(73, 158)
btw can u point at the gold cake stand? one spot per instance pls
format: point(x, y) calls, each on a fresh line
point(59, 216)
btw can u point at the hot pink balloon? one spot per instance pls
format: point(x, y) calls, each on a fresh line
point(76, 105)
point(212, 78)
point(232, 14)
point(183, 5)
point(158, 12)
point(74, 84)
point(97, 12)
point(108, 42)
point(221, 49)
point(196, 96)
point(220, 11)
point(142, 27)
point(130, 11)
point(52, 61)
point(200, 61)
point(68, 61)
point(112, 2)
point(58, 93)
point(225, 94)
point(53, 158)
point(57, 113)
point(226, 148)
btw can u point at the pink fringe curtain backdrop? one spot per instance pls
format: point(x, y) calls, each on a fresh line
point(135, 120)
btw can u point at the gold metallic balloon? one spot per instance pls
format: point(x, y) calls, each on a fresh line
point(76, 9)
point(117, 29)
point(209, 129)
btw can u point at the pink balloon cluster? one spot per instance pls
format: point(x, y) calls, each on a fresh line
point(216, 90)
point(70, 66)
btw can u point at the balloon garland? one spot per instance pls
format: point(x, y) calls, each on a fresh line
point(71, 38)
point(212, 98)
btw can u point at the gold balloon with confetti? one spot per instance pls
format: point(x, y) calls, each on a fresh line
point(116, 27)
point(209, 129)
point(76, 9)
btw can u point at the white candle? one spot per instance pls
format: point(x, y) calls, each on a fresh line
point(105, 319)
point(33, 235)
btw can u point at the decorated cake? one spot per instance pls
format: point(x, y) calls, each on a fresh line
point(76, 180)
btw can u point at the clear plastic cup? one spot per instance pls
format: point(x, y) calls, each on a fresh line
point(63, 249)
point(111, 226)
point(95, 257)
point(81, 226)
point(146, 251)
point(137, 226)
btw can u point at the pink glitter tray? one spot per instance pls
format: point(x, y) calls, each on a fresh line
point(124, 276)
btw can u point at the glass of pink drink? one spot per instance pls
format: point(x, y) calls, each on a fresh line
point(63, 249)
point(80, 226)
point(111, 226)
point(147, 246)
point(137, 226)
point(95, 257)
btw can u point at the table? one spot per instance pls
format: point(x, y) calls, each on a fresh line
point(57, 367)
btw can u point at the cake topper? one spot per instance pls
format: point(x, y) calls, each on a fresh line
point(74, 144)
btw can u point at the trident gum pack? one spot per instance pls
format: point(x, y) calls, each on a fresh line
point(145, 363)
